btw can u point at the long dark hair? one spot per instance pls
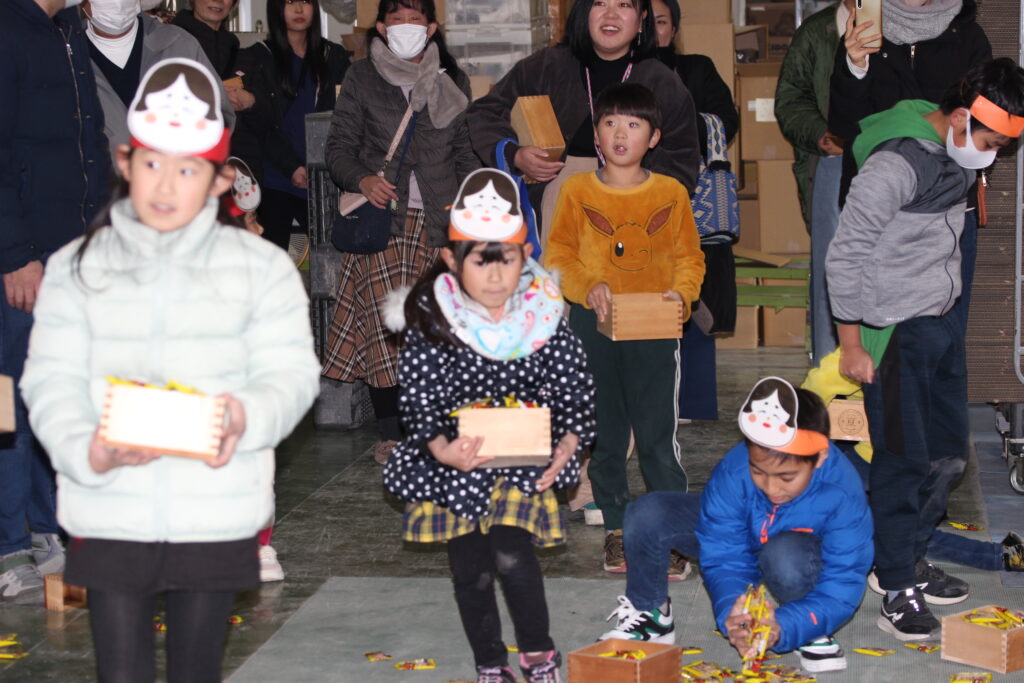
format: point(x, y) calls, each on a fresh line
point(427, 9)
point(577, 31)
point(315, 61)
point(120, 191)
point(422, 312)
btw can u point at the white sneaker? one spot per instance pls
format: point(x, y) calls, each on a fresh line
point(822, 654)
point(592, 515)
point(270, 568)
point(48, 552)
point(632, 624)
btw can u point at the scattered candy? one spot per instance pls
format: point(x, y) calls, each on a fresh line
point(13, 652)
point(631, 655)
point(235, 620)
point(377, 656)
point(995, 617)
point(874, 651)
point(690, 650)
point(159, 625)
point(971, 677)
point(416, 664)
point(966, 526)
point(512, 648)
point(509, 401)
point(705, 671)
point(755, 603)
point(926, 648)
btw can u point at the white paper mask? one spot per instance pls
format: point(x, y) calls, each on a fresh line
point(485, 214)
point(768, 416)
point(177, 109)
point(245, 190)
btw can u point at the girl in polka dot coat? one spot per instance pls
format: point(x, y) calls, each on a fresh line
point(487, 322)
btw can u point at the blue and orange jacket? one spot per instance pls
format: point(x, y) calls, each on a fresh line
point(736, 518)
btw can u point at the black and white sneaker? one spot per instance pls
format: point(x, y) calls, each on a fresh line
point(908, 618)
point(632, 624)
point(938, 587)
point(821, 655)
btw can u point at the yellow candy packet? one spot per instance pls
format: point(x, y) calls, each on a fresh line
point(874, 651)
point(416, 664)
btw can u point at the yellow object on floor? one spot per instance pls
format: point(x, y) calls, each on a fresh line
point(827, 382)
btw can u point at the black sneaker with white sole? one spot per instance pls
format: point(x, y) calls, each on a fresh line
point(907, 617)
point(821, 655)
point(938, 587)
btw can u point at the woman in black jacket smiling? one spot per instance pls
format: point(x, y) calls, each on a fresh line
point(293, 73)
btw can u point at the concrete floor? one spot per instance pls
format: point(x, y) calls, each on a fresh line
point(336, 524)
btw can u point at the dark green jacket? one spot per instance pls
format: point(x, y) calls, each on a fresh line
point(801, 98)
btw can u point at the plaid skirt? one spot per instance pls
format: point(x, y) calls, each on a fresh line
point(426, 522)
point(359, 345)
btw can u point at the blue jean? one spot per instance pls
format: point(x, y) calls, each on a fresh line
point(27, 489)
point(667, 520)
point(945, 546)
point(824, 222)
point(917, 413)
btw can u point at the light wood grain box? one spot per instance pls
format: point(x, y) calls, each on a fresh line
point(661, 665)
point(533, 119)
point(7, 421)
point(978, 645)
point(645, 315)
point(516, 437)
point(160, 421)
point(848, 419)
point(59, 596)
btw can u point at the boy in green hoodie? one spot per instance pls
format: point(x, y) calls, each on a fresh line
point(893, 275)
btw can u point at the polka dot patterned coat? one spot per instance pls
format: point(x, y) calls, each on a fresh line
point(437, 379)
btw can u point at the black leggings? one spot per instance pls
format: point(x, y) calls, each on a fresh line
point(123, 634)
point(475, 559)
point(277, 211)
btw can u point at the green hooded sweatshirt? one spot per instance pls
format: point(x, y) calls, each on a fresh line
point(904, 120)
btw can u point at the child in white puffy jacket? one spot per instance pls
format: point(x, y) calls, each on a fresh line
point(162, 291)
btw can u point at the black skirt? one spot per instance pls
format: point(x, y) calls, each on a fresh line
point(147, 568)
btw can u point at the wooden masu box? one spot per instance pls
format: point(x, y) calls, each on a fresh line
point(59, 596)
point(534, 121)
point(979, 645)
point(660, 665)
point(646, 315)
point(516, 437)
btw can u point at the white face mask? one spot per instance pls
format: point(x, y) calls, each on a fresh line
point(407, 40)
point(72, 3)
point(114, 17)
point(968, 156)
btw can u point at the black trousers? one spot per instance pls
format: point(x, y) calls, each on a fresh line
point(507, 552)
point(123, 635)
point(277, 211)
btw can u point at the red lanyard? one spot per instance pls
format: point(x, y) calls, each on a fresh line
point(590, 101)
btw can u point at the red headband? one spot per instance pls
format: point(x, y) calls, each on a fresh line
point(997, 118)
point(217, 154)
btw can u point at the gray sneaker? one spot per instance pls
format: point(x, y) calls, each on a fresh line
point(48, 552)
point(20, 580)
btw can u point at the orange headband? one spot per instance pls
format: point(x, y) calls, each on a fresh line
point(804, 443)
point(997, 118)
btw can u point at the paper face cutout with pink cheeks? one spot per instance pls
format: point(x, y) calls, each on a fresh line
point(177, 109)
point(245, 190)
point(487, 209)
point(768, 416)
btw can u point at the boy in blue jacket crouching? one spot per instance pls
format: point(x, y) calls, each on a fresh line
point(784, 508)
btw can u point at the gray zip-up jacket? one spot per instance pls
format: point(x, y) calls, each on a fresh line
point(896, 253)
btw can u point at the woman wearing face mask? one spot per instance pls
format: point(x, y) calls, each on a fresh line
point(123, 45)
point(292, 73)
point(606, 42)
point(408, 65)
point(698, 395)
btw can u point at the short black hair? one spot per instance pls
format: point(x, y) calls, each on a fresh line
point(577, 31)
point(999, 80)
point(812, 415)
point(628, 99)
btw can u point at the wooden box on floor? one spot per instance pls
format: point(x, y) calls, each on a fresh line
point(984, 646)
point(59, 596)
point(848, 419)
point(516, 437)
point(533, 119)
point(660, 665)
point(642, 316)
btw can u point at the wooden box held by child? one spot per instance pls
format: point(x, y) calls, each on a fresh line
point(642, 316)
point(162, 420)
point(516, 436)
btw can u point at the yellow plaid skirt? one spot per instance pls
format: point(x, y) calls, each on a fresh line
point(426, 522)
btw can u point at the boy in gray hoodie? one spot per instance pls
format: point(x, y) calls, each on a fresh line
point(893, 275)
